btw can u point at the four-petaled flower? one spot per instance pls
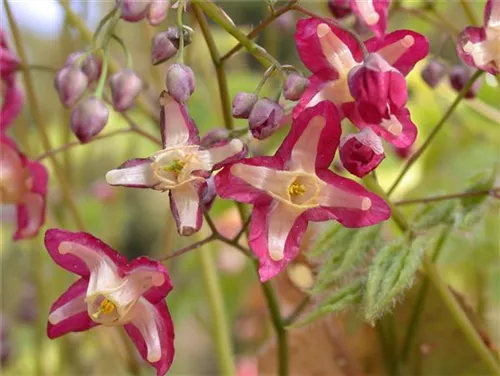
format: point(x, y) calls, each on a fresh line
point(182, 167)
point(295, 186)
point(480, 46)
point(23, 183)
point(331, 53)
point(113, 292)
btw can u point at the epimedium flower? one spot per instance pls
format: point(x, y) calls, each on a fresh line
point(23, 184)
point(294, 187)
point(182, 167)
point(331, 53)
point(112, 291)
point(480, 46)
point(374, 13)
point(135, 10)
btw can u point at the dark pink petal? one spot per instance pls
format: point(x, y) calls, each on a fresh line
point(401, 48)
point(152, 331)
point(375, 212)
point(374, 13)
point(492, 13)
point(185, 203)
point(314, 87)
point(55, 237)
point(13, 100)
point(69, 312)
point(311, 52)
point(143, 269)
point(361, 153)
point(476, 35)
point(135, 173)
point(399, 130)
point(177, 128)
point(9, 62)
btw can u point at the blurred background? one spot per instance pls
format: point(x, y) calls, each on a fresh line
point(138, 222)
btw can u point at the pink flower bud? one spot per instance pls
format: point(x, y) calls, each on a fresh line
point(243, 104)
point(125, 87)
point(134, 10)
point(9, 62)
point(459, 76)
point(214, 137)
point(180, 82)
point(89, 118)
point(163, 46)
point(339, 8)
point(433, 73)
point(91, 65)
point(265, 118)
point(295, 86)
point(158, 11)
point(362, 152)
point(70, 83)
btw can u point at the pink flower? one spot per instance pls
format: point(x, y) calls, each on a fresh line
point(361, 153)
point(294, 187)
point(113, 292)
point(480, 46)
point(182, 167)
point(374, 13)
point(331, 53)
point(23, 184)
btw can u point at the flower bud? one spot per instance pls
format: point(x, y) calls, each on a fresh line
point(243, 104)
point(158, 11)
point(213, 137)
point(162, 48)
point(339, 8)
point(89, 118)
point(180, 82)
point(295, 86)
point(134, 10)
point(433, 73)
point(125, 87)
point(70, 83)
point(265, 118)
point(459, 76)
point(91, 65)
point(362, 152)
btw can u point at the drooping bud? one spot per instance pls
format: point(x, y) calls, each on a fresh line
point(339, 8)
point(295, 86)
point(265, 118)
point(433, 73)
point(459, 76)
point(134, 10)
point(91, 65)
point(125, 87)
point(70, 83)
point(158, 11)
point(89, 118)
point(243, 104)
point(362, 152)
point(180, 82)
point(214, 137)
point(164, 45)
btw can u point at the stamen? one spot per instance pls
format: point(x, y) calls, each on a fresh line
point(106, 307)
point(366, 204)
point(175, 166)
point(393, 52)
point(296, 189)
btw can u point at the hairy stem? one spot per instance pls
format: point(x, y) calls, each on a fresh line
point(425, 200)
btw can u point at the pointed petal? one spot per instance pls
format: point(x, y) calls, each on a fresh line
point(351, 204)
point(374, 13)
point(401, 48)
point(177, 128)
point(227, 152)
point(275, 236)
point(30, 216)
point(137, 173)
point(152, 331)
point(492, 14)
point(12, 105)
point(185, 203)
point(69, 312)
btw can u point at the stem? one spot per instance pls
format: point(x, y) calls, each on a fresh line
point(448, 197)
point(219, 67)
point(435, 131)
point(39, 67)
point(221, 326)
point(180, 51)
point(297, 311)
point(126, 51)
point(469, 12)
point(39, 119)
point(188, 248)
point(103, 22)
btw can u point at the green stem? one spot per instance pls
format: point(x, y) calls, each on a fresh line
point(221, 326)
point(180, 25)
point(435, 131)
point(103, 22)
point(469, 12)
point(128, 55)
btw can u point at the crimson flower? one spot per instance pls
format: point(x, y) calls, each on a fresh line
point(361, 153)
point(374, 13)
point(480, 46)
point(23, 183)
point(182, 167)
point(113, 292)
point(294, 187)
point(332, 53)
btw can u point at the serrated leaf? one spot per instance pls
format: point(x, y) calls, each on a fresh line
point(480, 182)
point(391, 273)
point(442, 212)
point(325, 238)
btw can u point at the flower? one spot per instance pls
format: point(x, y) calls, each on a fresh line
point(294, 187)
point(180, 82)
point(243, 104)
point(23, 183)
point(361, 153)
point(70, 83)
point(135, 10)
point(480, 46)
point(112, 292)
point(125, 86)
point(265, 118)
point(374, 13)
point(182, 167)
point(339, 8)
point(331, 53)
point(295, 86)
point(89, 118)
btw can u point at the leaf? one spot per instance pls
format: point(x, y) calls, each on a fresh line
point(435, 214)
point(391, 273)
point(481, 182)
point(329, 239)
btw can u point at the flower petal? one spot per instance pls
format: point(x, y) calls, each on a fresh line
point(69, 312)
point(30, 216)
point(351, 203)
point(475, 50)
point(374, 13)
point(226, 152)
point(137, 173)
point(177, 128)
point(401, 48)
point(152, 331)
point(492, 14)
point(12, 105)
point(185, 203)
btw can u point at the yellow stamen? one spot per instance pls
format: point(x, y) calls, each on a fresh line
point(296, 189)
point(106, 307)
point(175, 166)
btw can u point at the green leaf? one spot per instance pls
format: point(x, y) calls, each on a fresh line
point(322, 245)
point(481, 182)
point(391, 273)
point(435, 214)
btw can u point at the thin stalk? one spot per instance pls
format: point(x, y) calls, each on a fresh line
point(297, 311)
point(99, 27)
point(39, 119)
point(448, 197)
point(435, 131)
point(180, 25)
point(125, 49)
point(188, 248)
point(39, 67)
point(469, 12)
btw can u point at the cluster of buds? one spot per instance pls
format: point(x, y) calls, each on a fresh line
point(155, 11)
point(166, 44)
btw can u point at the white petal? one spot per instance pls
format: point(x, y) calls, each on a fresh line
point(176, 130)
point(392, 52)
point(187, 202)
point(336, 92)
point(69, 309)
point(305, 150)
point(141, 174)
point(367, 11)
point(280, 221)
point(494, 21)
point(335, 50)
point(272, 181)
point(335, 197)
point(221, 153)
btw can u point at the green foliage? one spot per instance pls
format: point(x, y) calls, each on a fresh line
point(481, 182)
point(431, 215)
